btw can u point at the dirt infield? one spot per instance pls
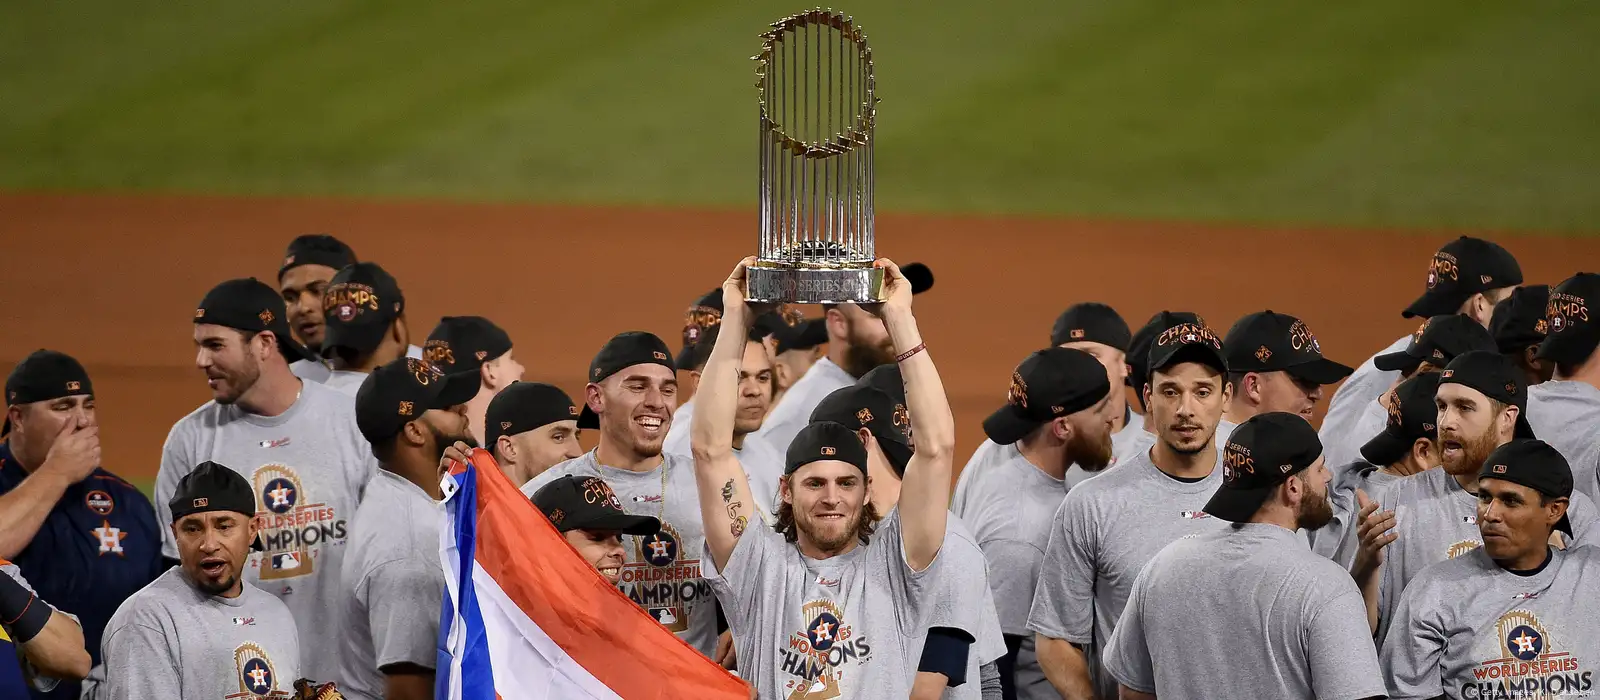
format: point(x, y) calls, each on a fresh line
point(113, 280)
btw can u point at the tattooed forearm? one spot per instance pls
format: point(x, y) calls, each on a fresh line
point(727, 492)
point(739, 521)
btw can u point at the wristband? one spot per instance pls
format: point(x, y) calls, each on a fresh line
point(21, 611)
point(902, 357)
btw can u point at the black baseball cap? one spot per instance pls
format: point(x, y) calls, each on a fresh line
point(1534, 464)
point(465, 343)
point(804, 335)
point(213, 487)
point(1462, 268)
point(1187, 342)
point(1570, 316)
point(1091, 322)
point(1047, 385)
point(316, 249)
point(1139, 345)
point(1519, 320)
point(858, 406)
point(782, 316)
point(358, 306)
point(1262, 452)
point(1438, 341)
point(1412, 415)
point(525, 406)
point(45, 375)
point(248, 304)
point(824, 441)
point(1495, 376)
point(574, 502)
point(1267, 341)
point(919, 276)
point(887, 379)
point(624, 350)
point(704, 313)
point(401, 391)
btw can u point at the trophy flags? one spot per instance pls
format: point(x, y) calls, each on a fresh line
point(526, 618)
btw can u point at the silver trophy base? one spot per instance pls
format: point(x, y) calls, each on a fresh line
point(790, 285)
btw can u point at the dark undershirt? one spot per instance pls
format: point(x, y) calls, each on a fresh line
point(1185, 479)
point(1530, 572)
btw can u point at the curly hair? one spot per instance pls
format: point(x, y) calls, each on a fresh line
point(786, 526)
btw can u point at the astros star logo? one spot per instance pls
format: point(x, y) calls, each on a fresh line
point(110, 538)
point(823, 631)
point(280, 496)
point(1525, 642)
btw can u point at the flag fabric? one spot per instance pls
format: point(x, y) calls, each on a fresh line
point(526, 618)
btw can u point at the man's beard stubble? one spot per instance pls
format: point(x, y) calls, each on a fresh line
point(850, 532)
point(1091, 456)
point(1314, 513)
point(861, 357)
point(1473, 453)
point(441, 441)
point(241, 381)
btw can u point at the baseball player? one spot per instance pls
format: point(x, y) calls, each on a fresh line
point(1409, 444)
point(308, 266)
point(833, 601)
point(391, 583)
point(794, 350)
point(1110, 526)
point(763, 464)
point(1519, 326)
point(531, 428)
point(46, 644)
point(1099, 330)
point(202, 630)
point(632, 391)
point(1127, 444)
point(85, 538)
point(297, 446)
point(1059, 411)
point(588, 514)
point(1287, 622)
point(1566, 411)
point(1431, 517)
point(1467, 276)
point(1513, 618)
point(1437, 341)
point(1275, 364)
point(474, 344)
point(363, 313)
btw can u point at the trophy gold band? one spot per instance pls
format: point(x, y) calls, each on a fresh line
point(818, 103)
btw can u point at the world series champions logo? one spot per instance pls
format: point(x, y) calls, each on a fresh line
point(1526, 662)
point(292, 527)
point(818, 656)
point(257, 677)
point(659, 580)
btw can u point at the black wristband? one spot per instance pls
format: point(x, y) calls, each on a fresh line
point(21, 611)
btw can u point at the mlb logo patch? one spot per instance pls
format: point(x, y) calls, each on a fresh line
point(286, 561)
point(1498, 469)
point(1076, 334)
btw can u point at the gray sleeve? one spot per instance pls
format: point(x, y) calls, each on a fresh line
point(963, 600)
point(738, 585)
point(1127, 654)
point(176, 462)
point(141, 664)
point(1063, 601)
point(402, 600)
point(1344, 663)
point(1014, 574)
point(918, 599)
point(1585, 524)
point(1414, 647)
point(989, 673)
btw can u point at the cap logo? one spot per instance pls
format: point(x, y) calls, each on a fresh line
point(265, 316)
point(658, 355)
point(1437, 353)
point(1417, 335)
point(1075, 334)
point(1285, 468)
point(505, 425)
point(1498, 469)
point(1428, 427)
point(347, 300)
point(481, 354)
point(13, 397)
point(864, 415)
point(829, 452)
point(1189, 333)
point(199, 313)
point(597, 372)
point(1237, 459)
point(1447, 374)
point(423, 371)
point(201, 502)
point(74, 386)
point(572, 410)
point(438, 352)
point(598, 492)
point(1564, 309)
point(902, 419)
point(556, 516)
point(1301, 338)
point(1485, 279)
point(790, 315)
point(1443, 266)
point(288, 260)
point(1262, 353)
point(1541, 327)
point(1511, 388)
point(1017, 395)
point(407, 408)
point(1393, 408)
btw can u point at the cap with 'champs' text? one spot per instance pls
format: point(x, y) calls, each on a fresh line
point(704, 313)
point(465, 343)
point(1187, 342)
point(858, 406)
point(1437, 341)
point(1268, 341)
point(1519, 319)
point(358, 306)
point(1412, 415)
point(1462, 268)
point(1569, 315)
point(1263, 452)
point(401, 391)
point(1048, 384)
point(575, 502)
point(1144, 338)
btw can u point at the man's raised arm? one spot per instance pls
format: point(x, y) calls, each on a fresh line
point(726, 506)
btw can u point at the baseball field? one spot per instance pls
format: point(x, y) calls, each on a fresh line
point(571, 170)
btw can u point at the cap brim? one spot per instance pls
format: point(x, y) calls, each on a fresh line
point(587, 419)
point(1523, 429)
point(1321, 371)
point(1386, 449)
point(1237, 505)
point(620, 522)
point(1433, 303)
point(1396, 362)
point(1006, 426)
point(920, 277)
point(1564, 525)
point(898, 454)
point(457, 388)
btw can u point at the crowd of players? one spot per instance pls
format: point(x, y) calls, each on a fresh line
point(762, 493)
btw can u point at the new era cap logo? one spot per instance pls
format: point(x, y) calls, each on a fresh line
point(1485, 279)
point(505, 425)
point(829, 452)
point(481, 354)
point(1541, 327)
point(1498, 469)
point(1285, 468)
point(201, 502)
point(74, 386)
point(288, 260)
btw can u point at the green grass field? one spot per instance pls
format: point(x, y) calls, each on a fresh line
point(1368, 112)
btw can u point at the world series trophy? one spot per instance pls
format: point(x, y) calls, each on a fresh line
point(818, 102)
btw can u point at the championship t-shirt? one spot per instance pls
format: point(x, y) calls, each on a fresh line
point(1009, 505)
point(1468, 629)
point(307, 466)
point(794, 411)
point(1280, 620)
point(1566, 414)
point(1356, 397)
point(393, 584)
point(844, 627)
point(1337, 540)
point(660, 572)
point(1103, 534)
point(1437, 520)
point(172, 640)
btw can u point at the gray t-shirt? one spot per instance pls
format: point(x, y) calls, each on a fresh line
point(1245, 613)
point(319, 371)
point(1437, 520)
point(1468, 629)
point(1566, 414)
point(307, 466)
point(1126, 449)
point(964, 578)
point(1103, 534)
point(393, 584)
point(845, 627)
point(1009, 504)
point(1341, 434)
point(660, 572)
point(794, 411)
point(1337, 540)
point(345, 381)
point(171, 640)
